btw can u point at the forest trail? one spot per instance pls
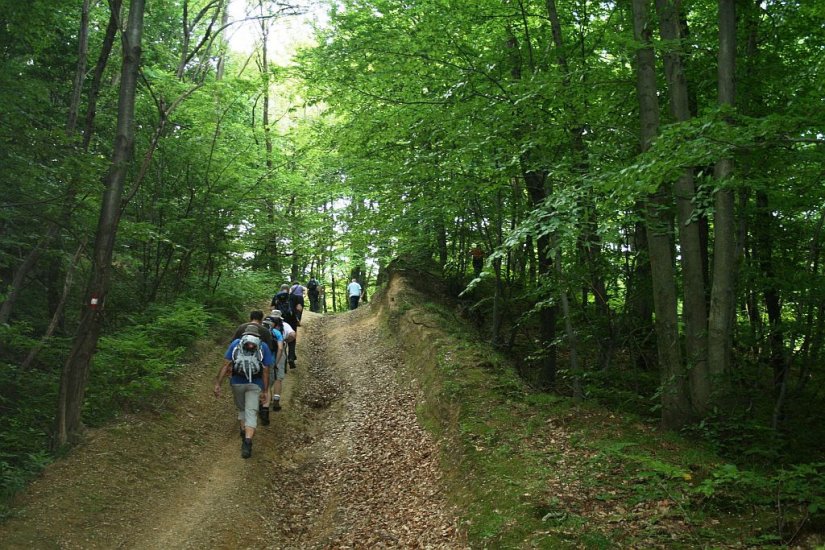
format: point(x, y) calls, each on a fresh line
point(345, 464)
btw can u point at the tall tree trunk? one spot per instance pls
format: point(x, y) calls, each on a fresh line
point(220, 69)
point(535, 179)
point(100, 67)
point(572, 343)
point(763, 230)
point(690, 241)
point(535, 182)
point(725, 260)
point(80, 72)
point(76, 370)
point(498, 295)
point(58, 312)
point(675, 396)
point(441, 240)
point(639, 309)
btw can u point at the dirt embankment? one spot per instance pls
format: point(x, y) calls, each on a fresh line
point(345, 464)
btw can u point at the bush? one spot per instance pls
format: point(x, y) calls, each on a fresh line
point(134, 364)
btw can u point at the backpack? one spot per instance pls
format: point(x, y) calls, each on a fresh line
point(248, 357)
point(312, 284)
point(283, 303)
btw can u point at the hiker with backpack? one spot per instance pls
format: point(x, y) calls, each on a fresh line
point(284, 334)
point(256, 324)
point(296, 292)
point(314, 294)
point(272, 322)
point(282, 301)
point(247, 362)
point(256, 320)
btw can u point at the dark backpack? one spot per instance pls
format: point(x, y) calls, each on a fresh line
point(312, 284)
point(283, 303)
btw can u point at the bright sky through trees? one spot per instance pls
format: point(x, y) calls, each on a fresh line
point(288, 32)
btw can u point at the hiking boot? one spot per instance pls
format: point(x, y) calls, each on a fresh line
point(264, 414)
point(246, 448)
point(292, 365)
point(276, 405)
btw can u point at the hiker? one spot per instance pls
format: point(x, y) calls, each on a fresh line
point(297, 294)
point(354, 292)
point(282, 301)
point(314, 294)
point(478, 260)
point(274, 322)
point(256, 323)
point(247, 361)
point(256, 318)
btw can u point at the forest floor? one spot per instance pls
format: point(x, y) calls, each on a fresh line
point(344, 464)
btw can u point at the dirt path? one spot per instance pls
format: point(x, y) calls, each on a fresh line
point(343, 465)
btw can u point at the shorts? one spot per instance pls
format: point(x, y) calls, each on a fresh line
point(246, 401)
point(280, 367)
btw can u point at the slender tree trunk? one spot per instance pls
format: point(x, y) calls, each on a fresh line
point(575, 366)
point(675, 396)
point(19, 279)
point(640, 292)
point(498, 295)
point(547, 315)
point(725, 260)
point(334, 293)
point(220, 69)
point(763, 230)
point(690, 241)
point(80, 72)
point(441, 238)
point(100, 67)
point(535, 179)
point(76, 370)
point(58, 313)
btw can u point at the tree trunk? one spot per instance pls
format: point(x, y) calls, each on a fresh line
point(100, 67)
point(535, 182)
point(76, 370)
point(640, 293)
point(58, 312)
point(575, 367)
point(441, 238)
point(80, 72)
point(220, 69)
point(725, 260)
point(19, 279)
point(675, 396)
point(690, 241)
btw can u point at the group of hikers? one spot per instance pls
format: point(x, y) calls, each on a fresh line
point(256, 361)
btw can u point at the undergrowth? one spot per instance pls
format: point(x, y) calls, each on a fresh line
point(536, 470)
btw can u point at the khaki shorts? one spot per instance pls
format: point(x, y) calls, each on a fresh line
point(246, 401)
